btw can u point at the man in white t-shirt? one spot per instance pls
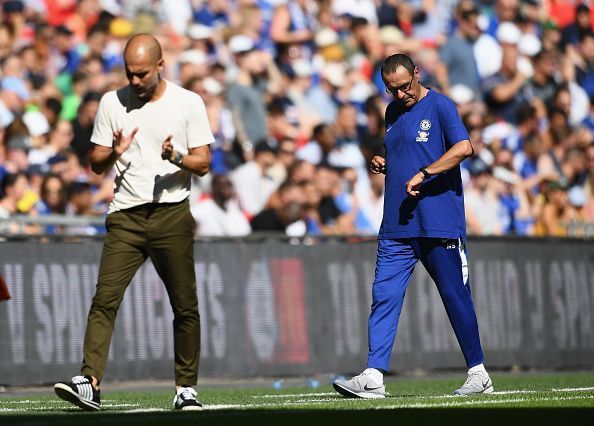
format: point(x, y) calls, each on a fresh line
point(155, 134)
point(220, 216)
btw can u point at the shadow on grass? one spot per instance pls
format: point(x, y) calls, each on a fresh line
point(407, 416)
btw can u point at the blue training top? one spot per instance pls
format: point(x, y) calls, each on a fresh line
point(416, 138)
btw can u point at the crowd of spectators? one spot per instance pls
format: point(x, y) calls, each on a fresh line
point(296, 103)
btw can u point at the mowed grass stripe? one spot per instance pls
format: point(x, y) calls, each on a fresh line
point(317, 398)
point(555, 390)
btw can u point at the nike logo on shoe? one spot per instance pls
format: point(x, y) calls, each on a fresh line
point(486, 384)
point(367, 388)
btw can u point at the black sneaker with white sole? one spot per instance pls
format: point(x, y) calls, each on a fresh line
point(80, 392)
point(185, 399)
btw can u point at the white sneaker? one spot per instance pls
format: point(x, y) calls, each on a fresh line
point(477, 382)
point(185, 399)
point(361, 386)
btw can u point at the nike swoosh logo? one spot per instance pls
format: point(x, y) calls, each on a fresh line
point(367, 388)
point(486, 384)
point(389, 128)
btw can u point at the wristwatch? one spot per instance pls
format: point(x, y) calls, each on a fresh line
point(178, 159)
point(426, 174)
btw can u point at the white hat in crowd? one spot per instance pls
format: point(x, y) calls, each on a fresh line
point(326, 37)
point(461, 93)
point(576, 196)
point(390, 34)
point(334, 73)
point(529, 45)
point(360, 92)
point(241, 43)
point(302, 68)
point(193, 56)
point(199, 32)
point(508, 33)
point(212, 86)
point(36, 123)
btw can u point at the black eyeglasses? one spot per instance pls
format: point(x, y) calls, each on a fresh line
point(467, 14)
point(402, 88)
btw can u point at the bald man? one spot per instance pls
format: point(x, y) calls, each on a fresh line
point(155, 134)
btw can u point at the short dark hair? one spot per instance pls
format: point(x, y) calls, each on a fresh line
point(391, 64)
point(9, 181)
point(218, 178)
point(319, 128)
point(264, 145)
point(525, 112)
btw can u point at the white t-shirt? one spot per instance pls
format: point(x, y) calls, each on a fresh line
point(253, 190)
point(141, 175)
point(215, 222)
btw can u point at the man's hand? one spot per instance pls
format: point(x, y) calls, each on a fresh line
point(167, 151)
point(121, 142)
point(378, 165)
point(413, 186)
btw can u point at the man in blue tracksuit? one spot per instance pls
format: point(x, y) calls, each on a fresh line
point(423, 220)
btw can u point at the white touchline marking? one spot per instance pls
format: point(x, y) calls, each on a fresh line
point(466, 402)
point(515, 392)
point(506, 392)
point(456, 403)
point(267, 404)
point(573, 389)
point(314, 398)
point(146, 410)
point(291, 395)
point(120, 405)
point(224, 406)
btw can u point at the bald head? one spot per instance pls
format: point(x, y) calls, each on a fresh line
point(144, 63)
point(143, 47)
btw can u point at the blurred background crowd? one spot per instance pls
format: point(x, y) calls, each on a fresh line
point(296, 103)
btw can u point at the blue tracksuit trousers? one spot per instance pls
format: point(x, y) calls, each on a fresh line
point(445, 261)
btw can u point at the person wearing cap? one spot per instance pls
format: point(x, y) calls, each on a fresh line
point(192, 63)
point(423, 220)
point(155, 135)
point(14, 94)
point(457, 53)
point(505, 11)
point(221, 121)
point(506, 90)
point(245, 100)
point(300, 84)
point(201, 38)
point(328, 45)
point(322, 95)
point(59, 139)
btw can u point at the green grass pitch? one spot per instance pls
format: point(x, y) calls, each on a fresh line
point(523, 398)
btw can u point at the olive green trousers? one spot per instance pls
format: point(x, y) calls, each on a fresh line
point(165, 233)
